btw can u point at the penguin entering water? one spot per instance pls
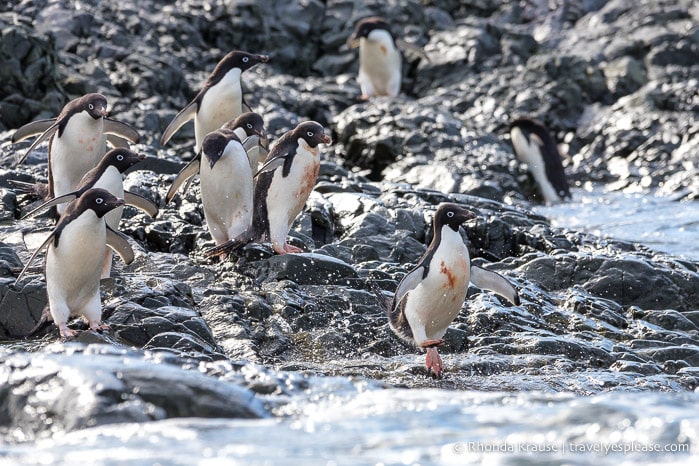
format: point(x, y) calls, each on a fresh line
point(77, 141)
point(220, 99)
point(283, 185)
point(430, 296)
point(74, 259)
point(534, 146)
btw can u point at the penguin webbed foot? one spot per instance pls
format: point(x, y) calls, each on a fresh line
point(67, 333)
point(433, 363)
point(287, 249)
point(99, 327)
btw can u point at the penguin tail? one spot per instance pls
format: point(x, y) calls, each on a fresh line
point(383, 300)
point(36, 190)
point(224, 250)
point(43, 322)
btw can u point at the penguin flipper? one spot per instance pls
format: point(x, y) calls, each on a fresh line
point(43, 137)
point(52, 202)
point(32, 129)
point(180, 119)
point(412, 48)
point(117, 141)
point(120, 129)
point(491, 281)
point(39, 190)
point(383, 300)
point(270, 165)
point(188, 172)
point(408, 283)
point(118, 243)
point(34, 256)
point(141, 202)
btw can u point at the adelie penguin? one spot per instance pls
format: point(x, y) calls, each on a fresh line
point(74, 259)
point(77, 141)
point(283, 185)
point(380, 61)
point(226, 182)
point(108, 174)
point(534, 146)
point(220, 99)
point(431, 295)
point(250, 129)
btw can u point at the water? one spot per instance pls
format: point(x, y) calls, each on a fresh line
point(343, 425)
point(655, 221)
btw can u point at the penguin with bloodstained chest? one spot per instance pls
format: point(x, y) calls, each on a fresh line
point(74, 259)
point(226, 184)
point(534, 146)
point(108, 174)
point(77, 141)
point(430, 296)
point(284, 183)
point(220, 99)
point(380, 61)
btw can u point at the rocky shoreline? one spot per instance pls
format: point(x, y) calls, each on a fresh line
point(238, 339)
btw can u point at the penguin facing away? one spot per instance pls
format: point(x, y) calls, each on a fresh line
point(534, 146)
point(220, 99)
point(77, 141)
point(380, 62)
point(431, 295)
point(283, 185)
point(108, 174)
point(74, 258)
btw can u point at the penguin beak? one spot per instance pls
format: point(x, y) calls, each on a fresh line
point(263, 58)
point(326, 139)
point(141, 157)
point(464, 215)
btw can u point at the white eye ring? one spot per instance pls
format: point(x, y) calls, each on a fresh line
point(250, 125)
point(120, 157)
point(245, 59)
point(310, 134)
point(450, 214)
point(90, 106)
point(99, 200)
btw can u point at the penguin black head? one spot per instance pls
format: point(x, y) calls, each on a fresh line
point(238, 59)
point(97, 199)
point(311, 132)
point(122, 158)
point(451, 214)
point(215, 143)
point(94, 104)
point(251, 122)
point(365, 26)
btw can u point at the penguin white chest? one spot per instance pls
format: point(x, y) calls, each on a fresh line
point(529, 152)
point(379, 65)
point(438, 299)
point(79, 149)
point(221, 102)
point(227, 193)
point(73, 268)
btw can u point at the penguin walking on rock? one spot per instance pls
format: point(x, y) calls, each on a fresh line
point(77, 141)
point(283, 185)
point(220, 99)
point(534, 146)
point(226, 182)
point(108, 174)
point(431, 295)
point(74, 259)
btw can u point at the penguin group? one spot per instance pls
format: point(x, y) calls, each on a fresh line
point(250, 192)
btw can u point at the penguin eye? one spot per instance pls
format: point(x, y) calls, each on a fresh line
point(450, 214)
point(90, 106)
point(245, 59)
point(120, 157)
point(310, 134)
point(99, 200)
point(250, 125)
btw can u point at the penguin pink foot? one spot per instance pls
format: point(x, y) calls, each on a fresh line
point(99, 327)
point(434, 363)
point(287, 249)
point(67, 333)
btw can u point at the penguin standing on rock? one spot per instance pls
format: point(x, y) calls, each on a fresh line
point(283, 185)
point(226, 182)
point(220, 99)
point(430, 296)
point(74, 259)
point(108, 174)
point(77, 141)
point(380, 65)
point(250, 129)
point(534, 146)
